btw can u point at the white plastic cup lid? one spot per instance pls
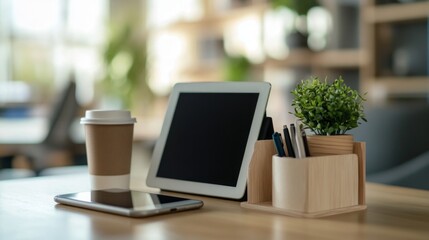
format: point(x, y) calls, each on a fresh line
point(108, 117)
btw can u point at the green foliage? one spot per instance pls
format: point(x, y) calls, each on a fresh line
point(301, 7)
point(125, 60)
point(236, 68)
point(328, 109)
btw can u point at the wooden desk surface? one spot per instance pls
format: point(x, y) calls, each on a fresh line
point(27, 211)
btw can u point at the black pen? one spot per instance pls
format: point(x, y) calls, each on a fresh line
point(288, 141)
point(293, 139)
point(278, 144)
point(304, 139)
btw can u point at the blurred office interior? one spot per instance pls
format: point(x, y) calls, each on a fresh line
point(61, 57)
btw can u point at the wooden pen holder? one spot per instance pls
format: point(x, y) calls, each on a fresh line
point(308, 187)
point(315, 184)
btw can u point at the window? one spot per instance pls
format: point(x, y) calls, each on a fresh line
point(43, 42)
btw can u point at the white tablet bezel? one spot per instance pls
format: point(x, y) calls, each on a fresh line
point(237, 192)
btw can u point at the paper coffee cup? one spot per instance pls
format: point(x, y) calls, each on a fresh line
point(109, 139)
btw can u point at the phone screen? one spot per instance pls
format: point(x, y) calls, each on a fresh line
point(131, 201)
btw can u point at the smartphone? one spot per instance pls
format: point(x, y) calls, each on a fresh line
point(128, 202)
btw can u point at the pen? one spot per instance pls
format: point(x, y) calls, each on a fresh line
point(304, 139)
point(299, 142)
point(293, 139)
point(278, 144)
point(288, 141)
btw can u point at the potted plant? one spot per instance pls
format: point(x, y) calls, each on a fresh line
point(329, 110)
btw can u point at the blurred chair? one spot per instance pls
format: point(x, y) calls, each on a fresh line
point(8, 172)
point(57, 144)
point(397, 144)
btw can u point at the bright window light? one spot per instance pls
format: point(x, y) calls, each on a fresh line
point(86, 19)
point(35, 17)
point(164, 12)
point(169, 56)
point(319, 24)
point(44, 41)
point(277, 24)
point(244, 38)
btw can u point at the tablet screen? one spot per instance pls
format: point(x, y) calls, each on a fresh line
point(208, 137)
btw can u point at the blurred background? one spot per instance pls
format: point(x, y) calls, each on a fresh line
point(61, 57)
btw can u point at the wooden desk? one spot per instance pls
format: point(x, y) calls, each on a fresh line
point(27, 211)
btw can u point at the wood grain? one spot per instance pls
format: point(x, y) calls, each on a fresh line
point(330, 145)
point(29, 212)
point(259, 194)
point(359, 148)
point(259, 185)
point(315, 184)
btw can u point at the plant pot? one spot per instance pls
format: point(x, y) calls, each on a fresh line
point(330, 145)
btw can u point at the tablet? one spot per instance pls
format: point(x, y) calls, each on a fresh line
point(207, 138)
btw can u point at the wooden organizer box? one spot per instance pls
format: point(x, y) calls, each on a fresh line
point(315, 193)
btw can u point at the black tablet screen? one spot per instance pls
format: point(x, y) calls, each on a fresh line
point(208, 137)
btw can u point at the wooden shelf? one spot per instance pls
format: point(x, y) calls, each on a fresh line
point(397, 12)
point(362, 59)
point(348, 58)
point(382, 87)
point(200, 70)
point(201, 73)
point(296, 58)
point(402, 85)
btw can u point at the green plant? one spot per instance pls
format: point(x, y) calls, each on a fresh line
point(328, 109)
point(125, 60)
point(236, 68)
point(301, 7)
